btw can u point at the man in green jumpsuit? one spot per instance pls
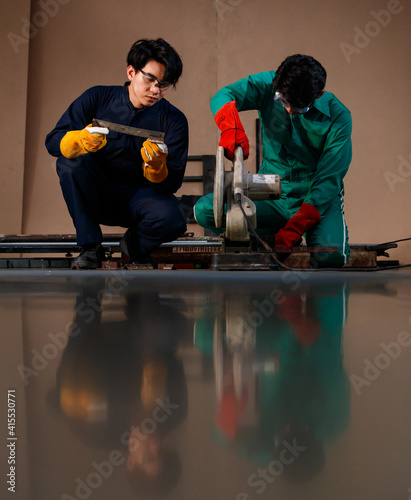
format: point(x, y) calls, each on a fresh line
point(306, 138)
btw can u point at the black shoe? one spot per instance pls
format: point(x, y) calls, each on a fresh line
point(90, 257)
point(129, 245)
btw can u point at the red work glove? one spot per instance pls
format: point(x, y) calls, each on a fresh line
point(230, 412)
point(305, 328)
point(303, 220)
point(232, 130)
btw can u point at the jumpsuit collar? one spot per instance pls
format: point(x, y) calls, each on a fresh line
point(323, 104)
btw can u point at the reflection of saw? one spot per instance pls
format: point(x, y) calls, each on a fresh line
point(152, 135)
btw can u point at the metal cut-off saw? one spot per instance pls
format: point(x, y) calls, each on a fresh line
point(232, 188)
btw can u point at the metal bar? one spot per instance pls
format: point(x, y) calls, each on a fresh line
point(257, 144)
point(197, 243)
point(208, 173)
point(305, 249)
point(51, 244)
point(68, 247)
point(195, 158)
point(193, 178)
point(124, 129)
point(45, 238)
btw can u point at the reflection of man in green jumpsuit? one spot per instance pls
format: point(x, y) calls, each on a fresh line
point(305, 399)
point(306, 137)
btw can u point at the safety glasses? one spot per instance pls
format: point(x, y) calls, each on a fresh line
point(279, 97)
point(150, 79)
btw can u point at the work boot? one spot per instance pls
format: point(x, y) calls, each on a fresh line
point(129, 244)
point(90, 257)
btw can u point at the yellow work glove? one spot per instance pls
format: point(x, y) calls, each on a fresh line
point(154, 382)
point(154, 161)
point(80, 142)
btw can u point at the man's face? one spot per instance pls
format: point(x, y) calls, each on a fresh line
point(290, 110)
point(142, 89)
point(144, 453)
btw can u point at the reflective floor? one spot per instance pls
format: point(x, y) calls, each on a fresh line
point(205, 386)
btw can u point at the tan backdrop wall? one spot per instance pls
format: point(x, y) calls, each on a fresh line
point(71, 45)
point(14, 49)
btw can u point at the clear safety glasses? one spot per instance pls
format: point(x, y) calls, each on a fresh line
point(150, 79)
point(279, 97)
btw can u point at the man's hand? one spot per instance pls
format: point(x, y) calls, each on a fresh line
point(79, 142)
point(303, 220)
point(232, 130)
point(154, 382)
point(154, 161)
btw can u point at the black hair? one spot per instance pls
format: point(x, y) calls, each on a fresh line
point(306, 464)
point(300, 79)
point(159, 50)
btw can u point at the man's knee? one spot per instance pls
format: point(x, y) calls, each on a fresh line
point(78, 170)
point(167, 220)
point(177, 225)
point(203, 211)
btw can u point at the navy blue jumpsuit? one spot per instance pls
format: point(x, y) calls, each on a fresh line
point(108, 187)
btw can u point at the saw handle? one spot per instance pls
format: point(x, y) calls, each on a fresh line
point(238, 171)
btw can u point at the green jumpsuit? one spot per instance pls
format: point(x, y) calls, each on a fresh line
point(311, 152)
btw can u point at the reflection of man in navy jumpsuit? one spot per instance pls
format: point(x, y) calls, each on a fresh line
point(116, 375)
point(118, 179)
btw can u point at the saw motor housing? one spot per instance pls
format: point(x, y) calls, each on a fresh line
point(229, 186)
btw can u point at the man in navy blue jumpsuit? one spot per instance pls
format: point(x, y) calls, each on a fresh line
point(116, 179)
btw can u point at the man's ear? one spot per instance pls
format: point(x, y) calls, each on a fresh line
point(130, 72)
point(320, 94)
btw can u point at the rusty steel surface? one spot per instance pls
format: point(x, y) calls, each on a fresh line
point(251, 261)
point(189, 249)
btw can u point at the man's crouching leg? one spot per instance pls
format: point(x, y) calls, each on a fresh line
point(204, 213)
point(79, 181)
point(331, 231)
point(157, 219)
